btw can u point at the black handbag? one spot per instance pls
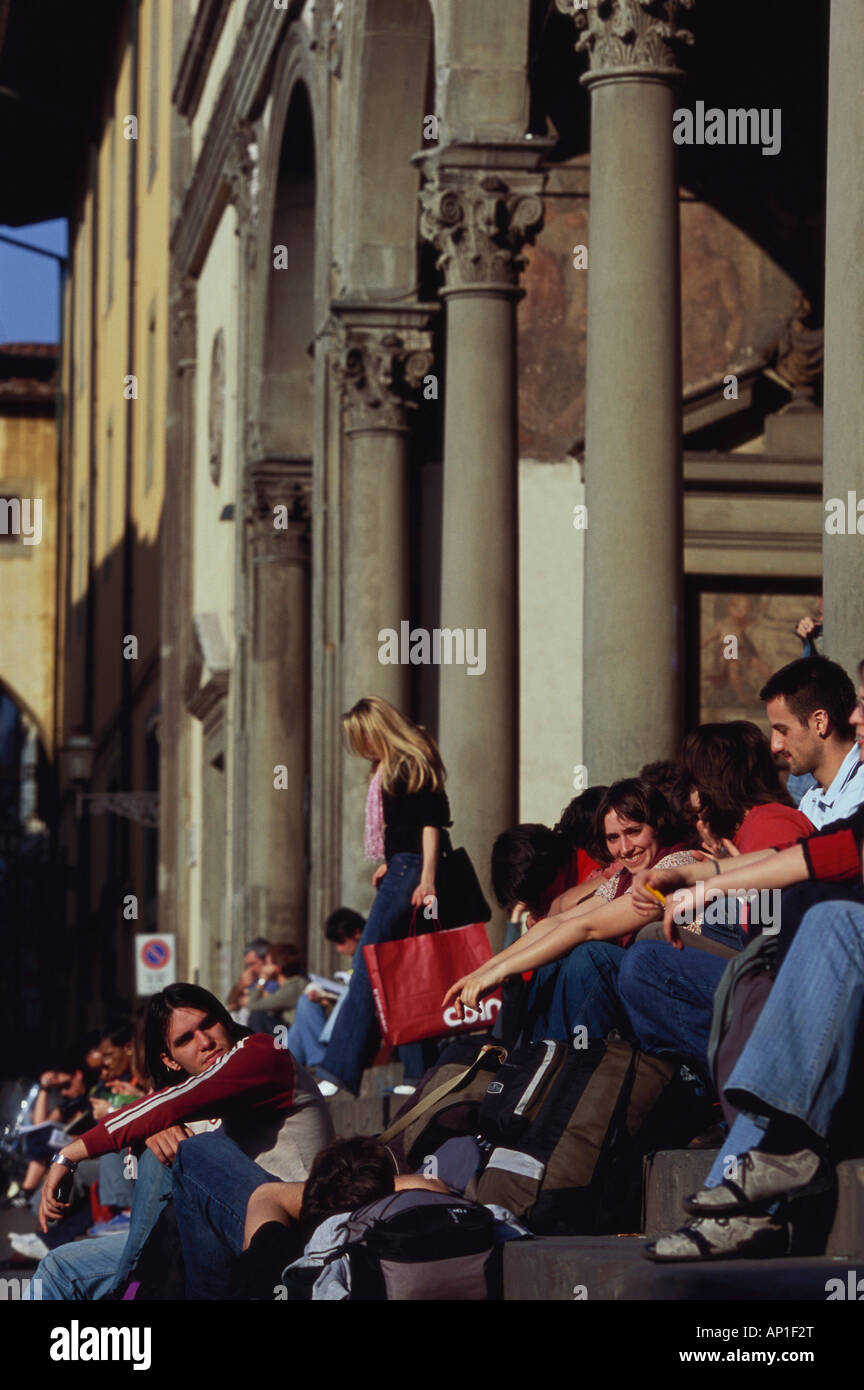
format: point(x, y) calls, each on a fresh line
point(457, 888)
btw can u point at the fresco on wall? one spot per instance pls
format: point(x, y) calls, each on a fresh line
point(735, 304)
point(743, 639)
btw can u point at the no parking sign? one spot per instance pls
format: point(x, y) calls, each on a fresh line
point(155, 962)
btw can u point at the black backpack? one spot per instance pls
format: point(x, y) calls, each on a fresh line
point(569, 1128)
point(413, 1245)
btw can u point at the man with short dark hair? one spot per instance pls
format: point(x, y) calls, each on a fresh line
point(316, 1009)
point(808, 704)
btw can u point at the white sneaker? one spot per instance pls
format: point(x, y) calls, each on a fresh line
point(327, 1088)
point(404, 1090)
point(31, 1245)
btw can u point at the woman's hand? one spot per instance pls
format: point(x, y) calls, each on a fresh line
point(378, 875)
point(421, 893)
point(99, 1107)
point(664, 880)
point(467, 992)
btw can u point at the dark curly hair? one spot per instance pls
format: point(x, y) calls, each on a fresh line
point(345, 1176)
point(637, 800)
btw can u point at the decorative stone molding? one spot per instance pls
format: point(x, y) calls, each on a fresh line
point(280, 482)
point(383, 354)
point(630, 34)
point(479, 218)
point(208, 667)
point(242, 172)
point(336, 39)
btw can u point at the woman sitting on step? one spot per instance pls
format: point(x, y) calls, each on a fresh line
point(576, 989)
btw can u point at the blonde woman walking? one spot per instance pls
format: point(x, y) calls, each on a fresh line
point(406, 811)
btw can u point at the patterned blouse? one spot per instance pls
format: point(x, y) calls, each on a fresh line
point(609, 887)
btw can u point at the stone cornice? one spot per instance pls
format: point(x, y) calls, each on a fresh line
point(480, 205)
point(207, 25)
point(383, 353)
point(630, 37)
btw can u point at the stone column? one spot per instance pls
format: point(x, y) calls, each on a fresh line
point(480, 205)
point(385, 353)
point(842, 472)
point(633, 553)
point(279, 516)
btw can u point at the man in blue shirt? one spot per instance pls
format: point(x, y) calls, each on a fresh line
point(808, 704)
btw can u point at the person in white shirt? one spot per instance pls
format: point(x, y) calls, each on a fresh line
point(808, 704)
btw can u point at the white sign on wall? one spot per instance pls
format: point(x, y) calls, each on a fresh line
point(155, 962)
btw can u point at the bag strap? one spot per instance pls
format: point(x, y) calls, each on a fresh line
point(432, 1098)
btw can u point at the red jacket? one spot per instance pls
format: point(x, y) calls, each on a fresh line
point(255, 1076)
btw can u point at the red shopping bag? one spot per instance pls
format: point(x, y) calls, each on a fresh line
point(410, 978)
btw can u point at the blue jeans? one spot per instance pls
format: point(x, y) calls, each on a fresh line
point(579, 989)
point(74, 1271)
point(356, 1036)
point(303, 1040)
point(798, 1056)
point(669, 998)
point(115, 1189)
point(213, 1181)
point(81, 1271)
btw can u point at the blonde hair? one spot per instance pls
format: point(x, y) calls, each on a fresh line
point(402, 749)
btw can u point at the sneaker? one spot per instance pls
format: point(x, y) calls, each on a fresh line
point(762, 1178)
point(327, 1088)
point(21, 1200)
point(722, 1238)
point(32, 1246)
point(404, 1090)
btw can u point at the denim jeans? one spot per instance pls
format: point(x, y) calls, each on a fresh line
point(81, 1271)
point(668, 996)
point(356, 1036)
point(798, 1057)
point(213, 1181)
point(303, 1039)
point(74, 1271)
point(579, 989)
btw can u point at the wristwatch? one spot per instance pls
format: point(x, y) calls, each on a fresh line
point(67, 1162)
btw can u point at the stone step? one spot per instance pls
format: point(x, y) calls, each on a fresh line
point(568, 1268)
point(366, 1115)
point(672, 1174)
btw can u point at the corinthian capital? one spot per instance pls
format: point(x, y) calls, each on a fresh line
point(479, 221)
point(379, 368)
point(629, 33)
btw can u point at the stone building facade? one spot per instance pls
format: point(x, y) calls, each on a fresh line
point(460, 336)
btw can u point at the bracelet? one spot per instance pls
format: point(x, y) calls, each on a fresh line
point(67, 1162)
point(716, 866)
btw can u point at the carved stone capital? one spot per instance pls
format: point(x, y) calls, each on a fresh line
point(242, 173)
point(631, 35)
point(479, 220)
point(279, 506)
point(380, 365)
